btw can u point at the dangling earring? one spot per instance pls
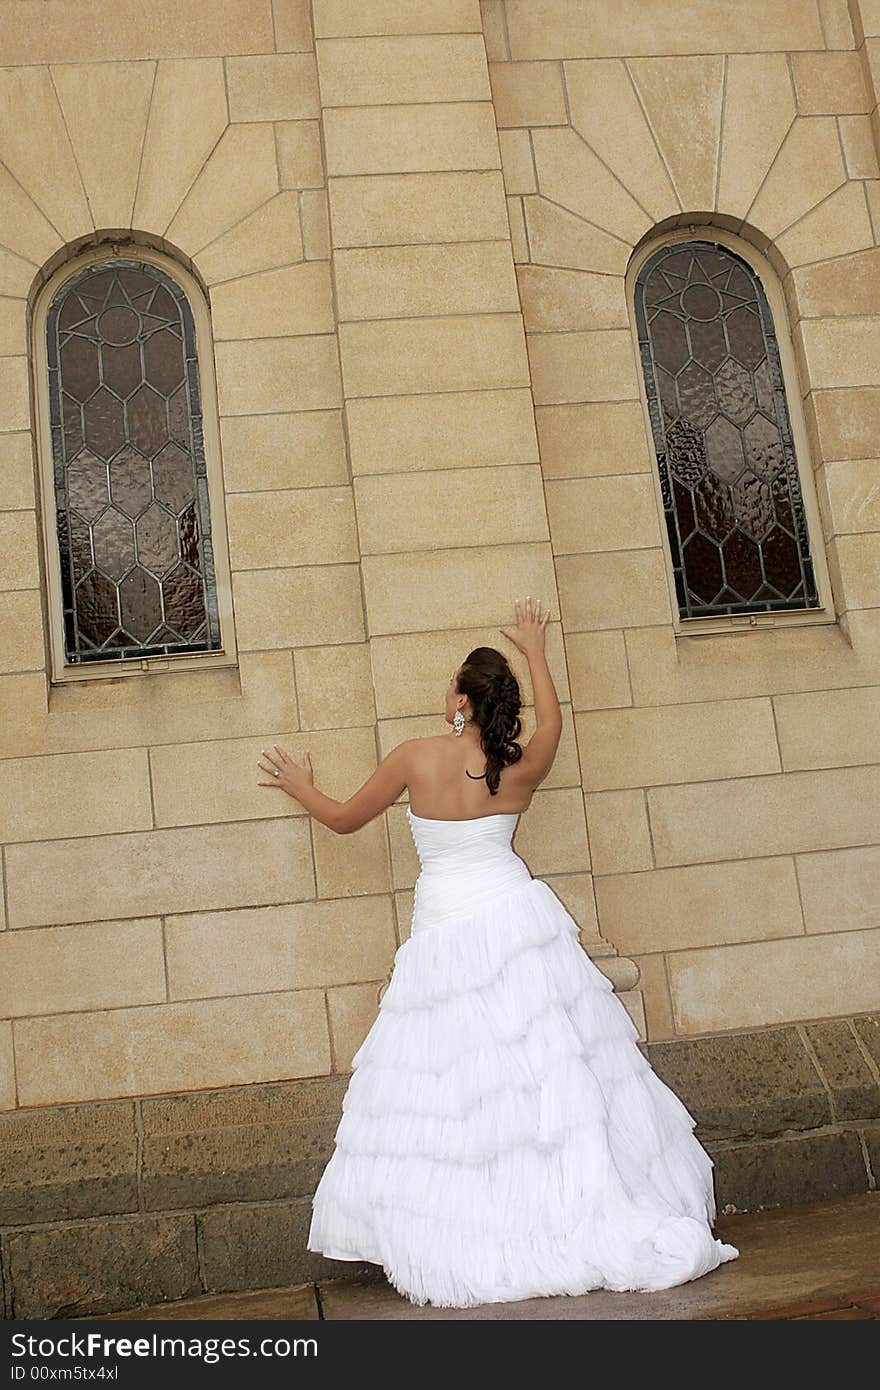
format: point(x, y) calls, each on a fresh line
point(458, 721)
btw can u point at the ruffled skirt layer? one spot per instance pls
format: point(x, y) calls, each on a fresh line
point(502, 1136)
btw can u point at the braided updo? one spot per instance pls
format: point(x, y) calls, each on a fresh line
point(493, 690)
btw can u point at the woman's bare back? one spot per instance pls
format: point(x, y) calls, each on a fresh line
point(440, 789)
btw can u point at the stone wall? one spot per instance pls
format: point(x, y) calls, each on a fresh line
point(383, 501)
point(729, 778)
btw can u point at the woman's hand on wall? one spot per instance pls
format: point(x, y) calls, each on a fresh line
point(531, 625)
point(291, 775)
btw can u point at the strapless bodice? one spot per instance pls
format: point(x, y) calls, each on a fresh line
point(463, 864)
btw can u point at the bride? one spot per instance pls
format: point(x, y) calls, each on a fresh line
point(503, 1136)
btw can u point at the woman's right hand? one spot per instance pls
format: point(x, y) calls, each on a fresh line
point(531, 622)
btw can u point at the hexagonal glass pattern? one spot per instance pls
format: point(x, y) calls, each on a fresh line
point(133, 516)
point(722, 435)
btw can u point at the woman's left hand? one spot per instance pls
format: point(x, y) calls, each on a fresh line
point(290, 774)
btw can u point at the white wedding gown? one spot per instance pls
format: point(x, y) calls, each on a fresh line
point(502, 1135)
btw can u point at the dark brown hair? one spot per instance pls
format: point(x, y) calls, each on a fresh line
point(493, 690)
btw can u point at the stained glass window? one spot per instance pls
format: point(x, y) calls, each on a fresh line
point(722, 435)
point(131, 489)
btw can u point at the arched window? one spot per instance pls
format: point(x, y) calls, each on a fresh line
point(132, 509)
point(722, 434)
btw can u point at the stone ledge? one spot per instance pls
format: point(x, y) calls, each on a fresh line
point(241, 1143)
point(255, 1247)
point(67, 1161)
point(775, 1080)
point(100, 1266)
point(786, 1172)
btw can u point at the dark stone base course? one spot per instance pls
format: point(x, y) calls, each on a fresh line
point(102, 1266)
point(110, 1205)
point(788, 1172)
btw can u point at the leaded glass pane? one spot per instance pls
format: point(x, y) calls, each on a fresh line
point(134, 524)
point(731, 492)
